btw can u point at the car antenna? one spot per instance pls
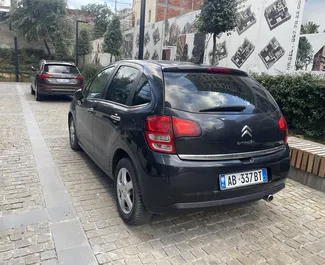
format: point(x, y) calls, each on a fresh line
point(202, 53)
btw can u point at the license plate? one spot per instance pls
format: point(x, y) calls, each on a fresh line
point(236, 180)
point(63, 80)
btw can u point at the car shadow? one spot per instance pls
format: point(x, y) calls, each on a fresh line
point(57, 98)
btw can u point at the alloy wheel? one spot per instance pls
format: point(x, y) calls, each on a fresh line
point(125, 192)
point(72, 132)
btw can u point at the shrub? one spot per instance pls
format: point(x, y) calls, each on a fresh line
point(301, 99)
point(89, 71)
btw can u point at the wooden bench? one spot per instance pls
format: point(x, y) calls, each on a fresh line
point(307, 162)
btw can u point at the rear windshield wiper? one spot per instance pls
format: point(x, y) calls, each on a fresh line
point(224, 109)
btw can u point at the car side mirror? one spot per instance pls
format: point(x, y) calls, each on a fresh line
point(78, 95)
point(33, 68)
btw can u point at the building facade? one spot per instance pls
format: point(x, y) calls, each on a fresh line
point(126, 18)
point(159, 10)
point(319, 60)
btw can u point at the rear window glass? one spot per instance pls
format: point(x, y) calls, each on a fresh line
point(60, 69)
point(195, 92)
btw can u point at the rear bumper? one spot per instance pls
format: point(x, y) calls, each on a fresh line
point(54, 90)
point(169, 183)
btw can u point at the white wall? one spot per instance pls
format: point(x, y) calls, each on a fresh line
point(181, 31)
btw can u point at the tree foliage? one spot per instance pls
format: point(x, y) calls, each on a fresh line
point(102, 14)
point(84, 46)
point(301, 99)
point(309, 28)
point(304, 55)
point(218, 16)
point(113, 38)
point(41, 20)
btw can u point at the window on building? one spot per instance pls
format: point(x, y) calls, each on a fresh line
point(149, 16)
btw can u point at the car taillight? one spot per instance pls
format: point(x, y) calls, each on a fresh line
point(80, 78)
point(282, 124)
point(161, 132)
point(44, 76)
point(183, 128)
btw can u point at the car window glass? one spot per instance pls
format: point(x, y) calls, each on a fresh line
point(121, 85)
point(97, 87)
point(60, 69)
point(195, 92)
point(142, 94)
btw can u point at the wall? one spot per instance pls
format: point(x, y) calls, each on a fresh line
point(266, 39)
point(7, 39)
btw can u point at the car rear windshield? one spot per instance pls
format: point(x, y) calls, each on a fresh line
point(61, 69)
point(200, 92)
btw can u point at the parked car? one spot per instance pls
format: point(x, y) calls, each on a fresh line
point(55, 78)
point(178, 136)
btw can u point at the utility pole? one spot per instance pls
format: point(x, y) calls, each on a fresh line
point(142, 23)
point(16, 59)
point(115, 7)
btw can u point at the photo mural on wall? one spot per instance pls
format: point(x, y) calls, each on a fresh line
point(221, 52)
point(182, 49)
point(277, 13)
point(243, 53)
point(266, 39)
point(246, 19)
point(156, 36)
point(271, 53)
point(128, 45)
point(146, 39)
point(199, 48)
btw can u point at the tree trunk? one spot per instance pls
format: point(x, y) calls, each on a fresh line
point(47, 48)
point(111, 58)
point(214, 49)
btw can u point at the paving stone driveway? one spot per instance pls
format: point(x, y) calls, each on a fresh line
point(58, 207)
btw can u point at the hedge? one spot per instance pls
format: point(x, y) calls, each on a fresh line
point(301, 99)
point(89, 70)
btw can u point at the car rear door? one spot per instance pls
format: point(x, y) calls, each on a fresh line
point(236, 115)
point(86, 108)
point(114, 114)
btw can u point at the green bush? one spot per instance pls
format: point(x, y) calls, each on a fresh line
point(89, 71)
point(301, 99)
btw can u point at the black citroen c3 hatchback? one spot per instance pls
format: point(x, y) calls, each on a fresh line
point(176, 136)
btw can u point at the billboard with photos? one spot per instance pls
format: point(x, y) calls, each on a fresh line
point(265, 40)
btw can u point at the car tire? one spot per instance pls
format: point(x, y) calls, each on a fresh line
point(128, 190)
point(74, 142)
point(39, 97)
point(32, 91)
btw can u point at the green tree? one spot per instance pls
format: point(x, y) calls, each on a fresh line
point(113, 38)
point(218, 16)
point(309, 28)
point(304, 55)
point(40, 20)
point(102, 14)
point(84, 47)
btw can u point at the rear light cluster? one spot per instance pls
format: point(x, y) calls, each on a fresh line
point(162, 131)
point(282, 125)
point(80, 78)
point(44, 76)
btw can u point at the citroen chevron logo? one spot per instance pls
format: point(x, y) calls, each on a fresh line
point(246, 131)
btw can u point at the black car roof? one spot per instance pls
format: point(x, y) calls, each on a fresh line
point(179, 65)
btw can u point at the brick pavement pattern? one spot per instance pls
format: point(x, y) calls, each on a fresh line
point(290, 230)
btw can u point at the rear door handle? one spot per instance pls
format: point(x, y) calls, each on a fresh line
point(115, 117)
point(91, 110)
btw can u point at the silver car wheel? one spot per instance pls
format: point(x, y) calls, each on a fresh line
point(125, 192)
